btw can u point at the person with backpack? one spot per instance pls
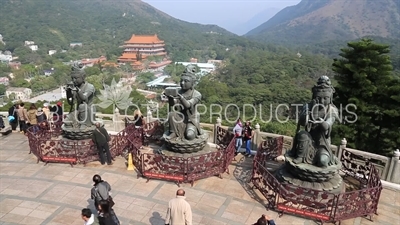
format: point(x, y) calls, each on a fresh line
point(13, 117)
point(101, 138)
point(100, 193)
point(265, 220)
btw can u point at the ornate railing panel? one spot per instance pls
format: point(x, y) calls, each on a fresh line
point(153, 132)
point(270, 149)
point(306, 202)
point(203, 166)
point(354, 166)
point(59, 151)
point(229, 154)
point(356, 160)
point(224, 137)
point(33, 145)
point(164, 167)
point(265, 182)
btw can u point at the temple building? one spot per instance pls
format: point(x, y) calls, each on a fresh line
point(139, 47)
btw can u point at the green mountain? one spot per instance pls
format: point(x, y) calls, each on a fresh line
point(103, 25)
point(316, 21)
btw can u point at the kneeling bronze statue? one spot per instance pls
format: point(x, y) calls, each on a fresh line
point(79, 123)
point(184, 134)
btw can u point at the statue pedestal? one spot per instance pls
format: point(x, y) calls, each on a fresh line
point(185, 146)
point(310, 176)
point(208, 148)
point(73, 133)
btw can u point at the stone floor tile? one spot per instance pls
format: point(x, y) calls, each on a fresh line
point(40, 214)
point(123, 198)
point(10, 202)
point(11, 191)
point(153, 218)
point(29, 204)
point(212, 200)
point(11, 218)
point(143, 203)
point(208, 210)
point(161, 209)
point(163, 196)
point(47, 208)
point(31, 220)
point(21, 211)
point(234, 217)
point(4, 208)
point(239, 208)
point(209, 221)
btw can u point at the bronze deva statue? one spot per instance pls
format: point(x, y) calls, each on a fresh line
point(312, 145)
point(183, 118)
point(80, 96)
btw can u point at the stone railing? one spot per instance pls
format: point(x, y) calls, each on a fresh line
point(387, 167)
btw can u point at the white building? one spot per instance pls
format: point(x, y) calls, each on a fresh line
point(75, 44)
point(52, 52)
point(19, 93)
point(204, 67)
point(27, 43)
point(33, 47)
point(5, 57)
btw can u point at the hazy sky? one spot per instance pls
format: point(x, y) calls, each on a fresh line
point(225, 13)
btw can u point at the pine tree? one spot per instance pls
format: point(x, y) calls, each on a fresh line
point(365, 78)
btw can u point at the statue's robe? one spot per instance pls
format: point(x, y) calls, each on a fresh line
point(181, 117)
point(321, 141)
point(84, 113)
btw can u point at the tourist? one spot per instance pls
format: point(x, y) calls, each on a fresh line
point(13, 117)
point(101, 138)
point(2, 123)
point(40, 116)
point(89, 217)
point(138, 118)
point(22, 118)
point(57, 112)
point(107, 216)
point(179, 211)
point(238, 132)
point(46, 110)
point(247, 135)
point(32, 118)
point(100, 191)
point(265, 220)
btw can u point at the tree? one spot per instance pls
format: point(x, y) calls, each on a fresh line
point(365, 79)
point(2, 89)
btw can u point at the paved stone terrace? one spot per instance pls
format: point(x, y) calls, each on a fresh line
point(54, 194)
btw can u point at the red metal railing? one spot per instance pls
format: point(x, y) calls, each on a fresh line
point(314, 204)
point(185, 169)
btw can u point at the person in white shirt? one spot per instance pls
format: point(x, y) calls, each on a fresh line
point(179, 211)
point(89, 218)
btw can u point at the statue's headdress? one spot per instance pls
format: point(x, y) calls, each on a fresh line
point(190, 71)
point(323, 85)
point(78, 68)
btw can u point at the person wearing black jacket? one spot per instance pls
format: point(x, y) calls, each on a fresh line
point(13, 111)
point(101, 138)
point(57, 112)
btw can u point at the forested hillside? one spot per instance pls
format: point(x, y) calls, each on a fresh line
point(315, 21)
point(103, 25)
